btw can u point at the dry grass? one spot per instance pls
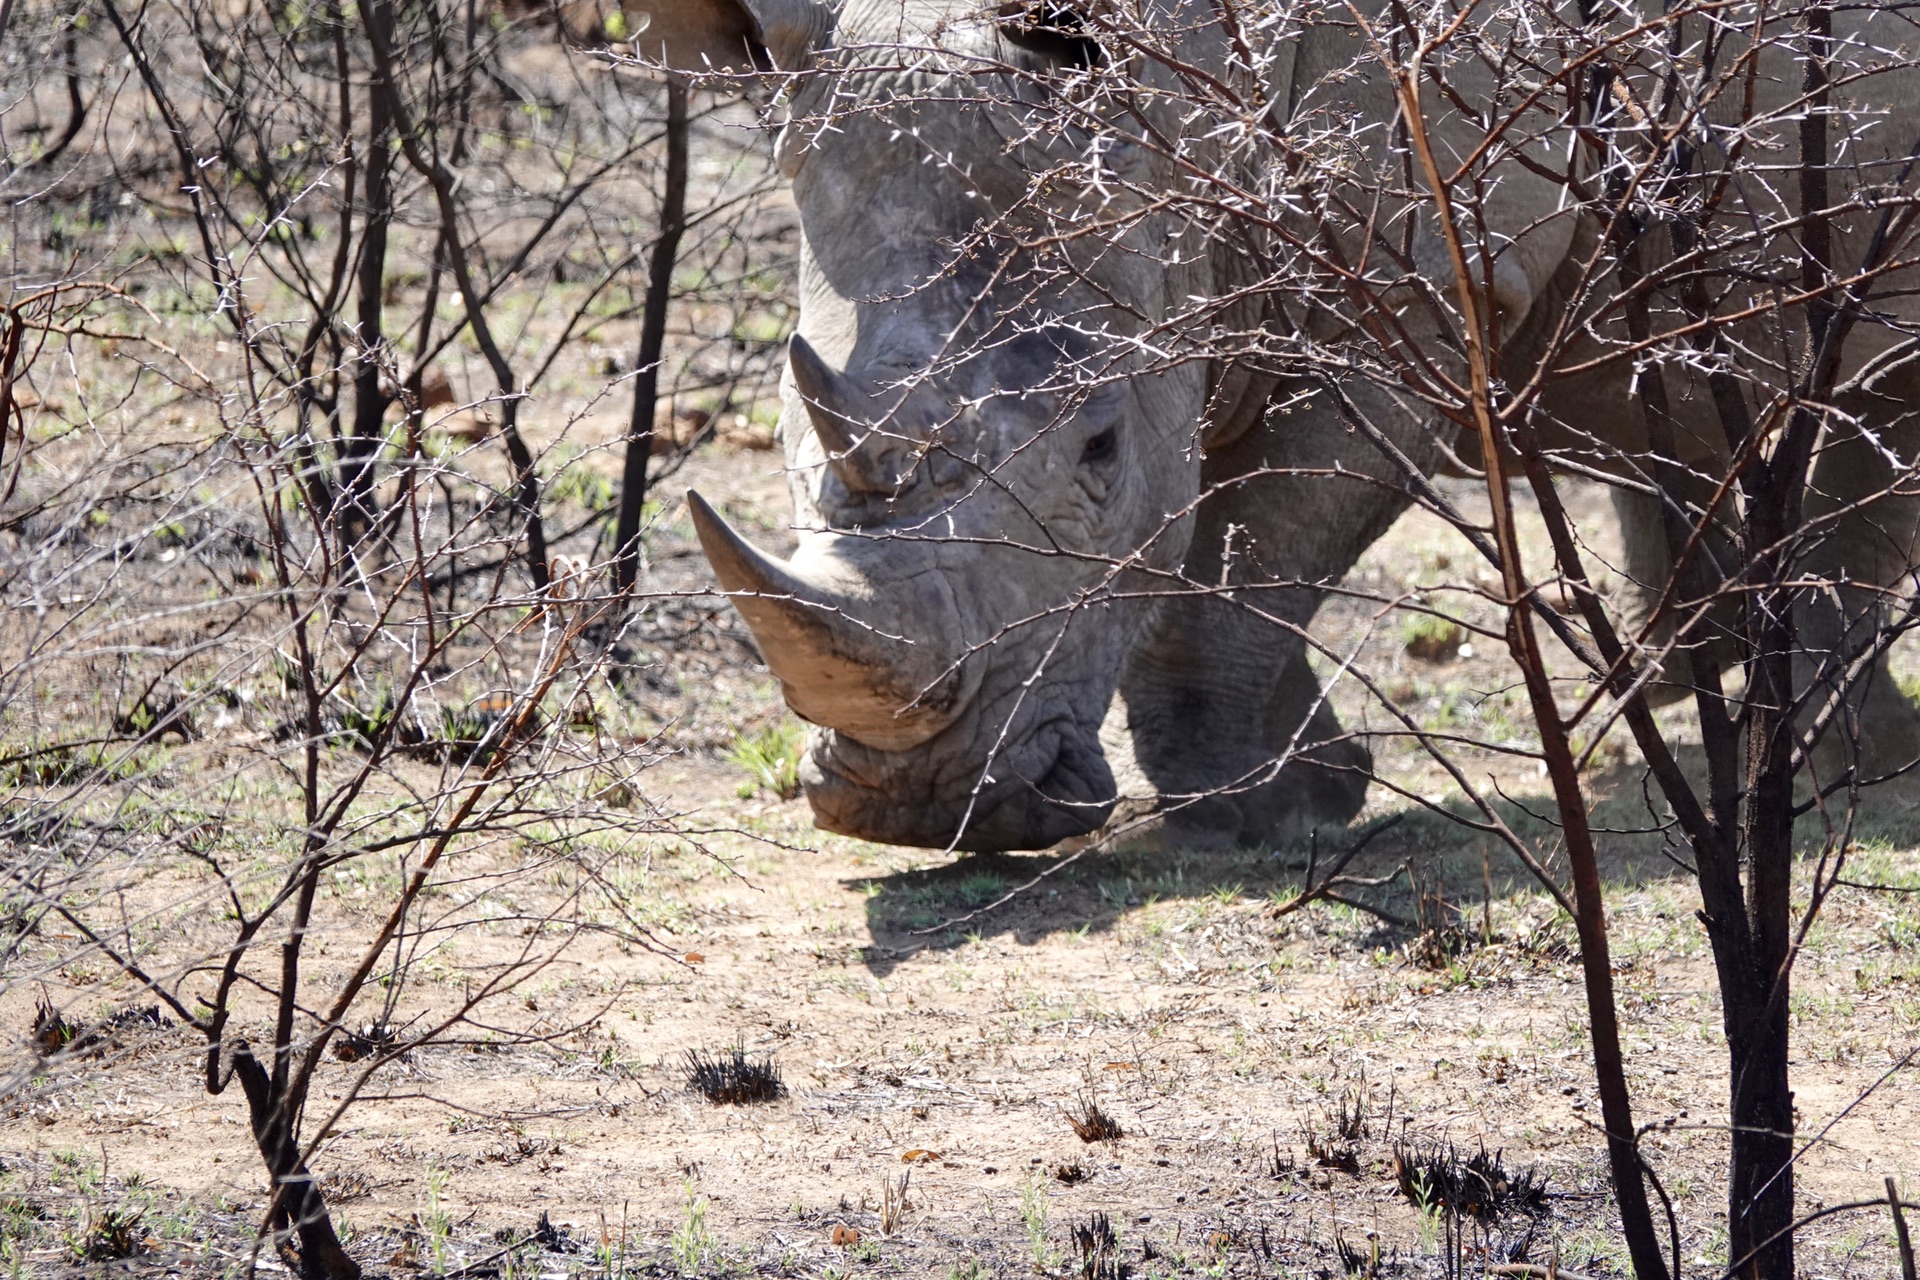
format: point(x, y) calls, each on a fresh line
point(1208, 1029)
point(1091, 1124)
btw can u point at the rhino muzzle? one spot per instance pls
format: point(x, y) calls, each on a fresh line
point(1050, 786)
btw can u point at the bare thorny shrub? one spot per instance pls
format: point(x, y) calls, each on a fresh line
point(318, 732)
point(1732, 190)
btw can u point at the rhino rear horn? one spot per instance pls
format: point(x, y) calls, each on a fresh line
point(830, 398)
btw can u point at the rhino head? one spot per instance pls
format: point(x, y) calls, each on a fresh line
point(980, 483)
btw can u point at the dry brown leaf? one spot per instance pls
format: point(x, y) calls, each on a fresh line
point(673, 431)
point(436, 390)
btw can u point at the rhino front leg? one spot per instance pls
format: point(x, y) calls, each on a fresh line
point(1231, 731)
point(1647, 566)
point(1229, 725)
point(1862, 482)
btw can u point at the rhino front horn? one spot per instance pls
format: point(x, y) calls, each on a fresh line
point(836, 669)
point(830, 398)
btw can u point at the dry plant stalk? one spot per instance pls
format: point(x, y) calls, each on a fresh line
point(893, 1203)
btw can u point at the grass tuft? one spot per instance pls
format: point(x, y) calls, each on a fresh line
point(1330, 1151)
point(552, 1239)
point(51, 1030)
point(115, 1234)
point(1433, 1177)
point(733, 1078)
point(1429, 637)
point(1441, 936)
point(1100, 1250)
point(771, 758)
point(1346, 1125)
point(1094, 1125)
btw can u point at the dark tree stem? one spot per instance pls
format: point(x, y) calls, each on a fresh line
point(369, 399)
point(653, 337)
point(296, 1200)
point(76, 101)
point(1556, 749)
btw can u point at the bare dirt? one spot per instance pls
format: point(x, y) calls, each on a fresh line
point(926, 1035)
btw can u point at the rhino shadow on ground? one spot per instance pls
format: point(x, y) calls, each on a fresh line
point(941, 906)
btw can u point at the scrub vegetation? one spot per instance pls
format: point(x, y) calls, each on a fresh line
point(407, 859)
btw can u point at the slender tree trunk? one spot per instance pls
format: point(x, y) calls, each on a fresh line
point(1760, 1192)
point(362, 446)
point(428, 165)
point(76, 101)
point(1590, 918)
point(653, 336)
point(1755, 950)
point(1743, 844)
point(298, 1202)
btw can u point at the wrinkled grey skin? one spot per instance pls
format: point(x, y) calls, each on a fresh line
point(924, 623)
point(954, 579)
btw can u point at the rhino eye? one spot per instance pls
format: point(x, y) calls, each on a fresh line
point(1099, 448)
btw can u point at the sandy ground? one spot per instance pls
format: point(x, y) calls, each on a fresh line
point(929, 1038)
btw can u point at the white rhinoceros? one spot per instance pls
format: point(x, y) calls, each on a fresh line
point(982, 537)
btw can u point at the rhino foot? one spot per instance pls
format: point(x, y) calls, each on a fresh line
point(1306, 796)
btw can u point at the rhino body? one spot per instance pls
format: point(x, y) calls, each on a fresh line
point(988, 546)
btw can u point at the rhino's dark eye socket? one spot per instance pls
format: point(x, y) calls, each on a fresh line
point(1101, 447)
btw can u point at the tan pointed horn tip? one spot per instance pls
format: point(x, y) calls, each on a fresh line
point(740, 566)
point(827, 394)
point(834, 670)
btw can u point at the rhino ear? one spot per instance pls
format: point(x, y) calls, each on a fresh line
point(731, 35)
